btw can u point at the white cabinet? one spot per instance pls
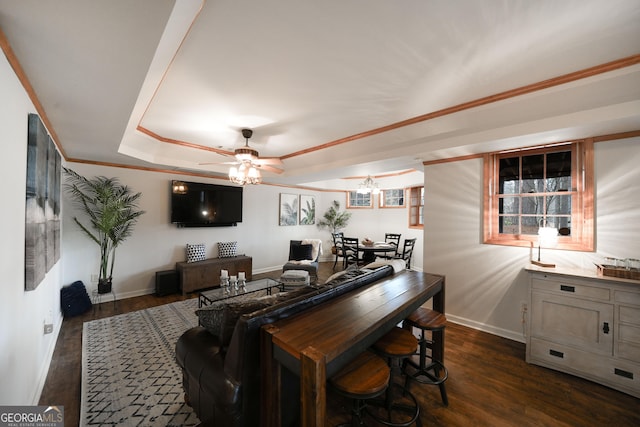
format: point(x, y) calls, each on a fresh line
point(585, 325)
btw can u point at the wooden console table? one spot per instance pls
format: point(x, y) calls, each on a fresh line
point(206, 274)
point(318, 342)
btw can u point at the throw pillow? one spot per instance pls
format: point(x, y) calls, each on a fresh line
point(343, 276)
point(195, 252)
point(317, 247)
point(301, 252)
point(335, 276)
point(397, 264)
point(220, 319)
point(227, 249)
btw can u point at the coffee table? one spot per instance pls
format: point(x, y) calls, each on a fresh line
point(219, 294)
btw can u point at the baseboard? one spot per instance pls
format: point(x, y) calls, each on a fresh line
point(327, 258)
point(268, 269)
point(42, 378)
point(504, 333)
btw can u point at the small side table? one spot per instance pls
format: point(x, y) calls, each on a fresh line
point(96, 298)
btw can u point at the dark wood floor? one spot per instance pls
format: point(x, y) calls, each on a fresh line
point(489, 382)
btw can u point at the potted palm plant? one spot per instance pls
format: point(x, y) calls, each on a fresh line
point(334, 219)
point(112, 211)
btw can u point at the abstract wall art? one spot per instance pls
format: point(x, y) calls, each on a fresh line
point(42, 213)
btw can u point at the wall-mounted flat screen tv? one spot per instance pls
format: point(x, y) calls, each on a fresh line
point(195, 204)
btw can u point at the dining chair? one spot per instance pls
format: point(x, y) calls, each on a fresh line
point(351, 251)
point(338, 247)
point(407, 251)
point(394, 239)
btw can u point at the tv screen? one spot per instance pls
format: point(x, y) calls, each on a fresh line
point(195, 204)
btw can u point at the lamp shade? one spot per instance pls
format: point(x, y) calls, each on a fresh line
point(547, 237)
point(246, 173)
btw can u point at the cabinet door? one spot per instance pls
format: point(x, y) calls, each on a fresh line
point(628, 330)
point(587, 325)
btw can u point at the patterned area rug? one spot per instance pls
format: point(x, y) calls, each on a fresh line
point(129, 373)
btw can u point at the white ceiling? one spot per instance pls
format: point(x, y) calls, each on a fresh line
point(160, 83)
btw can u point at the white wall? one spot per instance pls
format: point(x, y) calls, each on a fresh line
point(26, 351)
point(485, 284)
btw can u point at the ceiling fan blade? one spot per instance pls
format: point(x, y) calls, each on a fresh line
point(220, 163)
point(268, 161)
point(270, 168)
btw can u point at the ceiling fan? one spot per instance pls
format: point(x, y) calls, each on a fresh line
point(249, 157)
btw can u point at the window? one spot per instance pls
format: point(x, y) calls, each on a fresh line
point(359, 200)
point(416, 207)
point(393, 198)
point(544, 186)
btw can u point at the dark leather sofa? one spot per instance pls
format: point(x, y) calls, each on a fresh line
point(222, 384)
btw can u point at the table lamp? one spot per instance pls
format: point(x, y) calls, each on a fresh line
point(547, 237)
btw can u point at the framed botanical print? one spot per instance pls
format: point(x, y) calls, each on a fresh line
point(307, 210)
point(288, 209)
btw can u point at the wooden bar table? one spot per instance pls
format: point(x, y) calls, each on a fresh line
point(318, 342)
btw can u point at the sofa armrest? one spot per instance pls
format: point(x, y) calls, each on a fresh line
point(208, 390)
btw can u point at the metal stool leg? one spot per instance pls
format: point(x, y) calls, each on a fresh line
point(433, 373)
point(396, 346)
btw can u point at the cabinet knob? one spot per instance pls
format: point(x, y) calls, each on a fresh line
point(605, 327)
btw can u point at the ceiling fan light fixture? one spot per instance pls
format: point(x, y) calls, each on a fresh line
point(245, 174)
point(254, 174)
point(246, 153)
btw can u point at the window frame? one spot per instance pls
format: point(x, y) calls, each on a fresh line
point(582, 203)
point(381, 199)
point(416, 219)
point(349, 206)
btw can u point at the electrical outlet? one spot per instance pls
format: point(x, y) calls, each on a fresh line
point(94, 278)
point(48, 328)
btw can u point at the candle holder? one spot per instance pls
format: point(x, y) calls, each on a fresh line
point(224, 283)
point(242, 283)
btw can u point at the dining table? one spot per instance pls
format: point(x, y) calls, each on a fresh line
point(318, 342)
point(369, 251)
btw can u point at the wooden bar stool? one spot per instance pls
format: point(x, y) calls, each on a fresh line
point(433, 372)
point(365, 377)
point(397, 346)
